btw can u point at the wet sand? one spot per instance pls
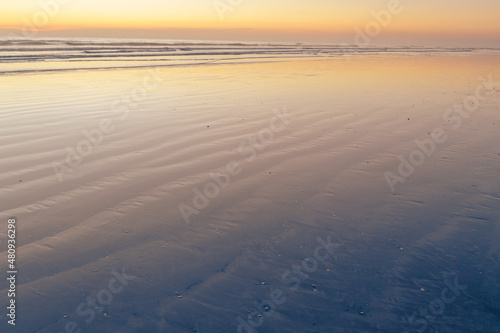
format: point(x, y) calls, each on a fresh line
point(151, 140)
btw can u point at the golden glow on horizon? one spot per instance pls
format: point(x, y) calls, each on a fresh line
point(424, 17)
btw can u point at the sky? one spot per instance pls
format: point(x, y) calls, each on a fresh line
point(403, 22)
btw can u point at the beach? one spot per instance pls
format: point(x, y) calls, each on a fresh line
point(287, 192)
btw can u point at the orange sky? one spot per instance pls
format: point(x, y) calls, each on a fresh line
point(444, 22)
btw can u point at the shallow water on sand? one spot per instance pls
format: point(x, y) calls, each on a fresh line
point(99, 166)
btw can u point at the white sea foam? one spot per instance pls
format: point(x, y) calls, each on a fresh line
point(52, 54)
